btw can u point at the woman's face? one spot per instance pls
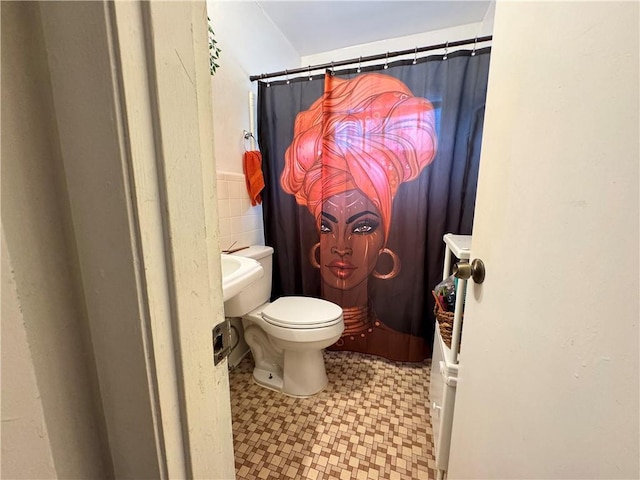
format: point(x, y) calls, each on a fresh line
point(351, 237)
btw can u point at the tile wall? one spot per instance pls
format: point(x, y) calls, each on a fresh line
point(239, 221)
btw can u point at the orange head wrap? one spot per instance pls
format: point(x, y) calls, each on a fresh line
point(369, 133)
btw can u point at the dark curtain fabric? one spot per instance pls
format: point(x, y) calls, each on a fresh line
point(338, 231)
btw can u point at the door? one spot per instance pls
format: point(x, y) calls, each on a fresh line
point(548, 377)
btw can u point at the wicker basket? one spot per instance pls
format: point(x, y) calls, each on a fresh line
point(445, 322)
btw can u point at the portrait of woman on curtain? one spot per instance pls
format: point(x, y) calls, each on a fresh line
point(351, 151)
point(365, 170)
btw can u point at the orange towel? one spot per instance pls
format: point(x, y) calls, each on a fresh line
point(252, 165)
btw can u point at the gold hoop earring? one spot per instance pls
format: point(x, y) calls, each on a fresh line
point(312, 256)
point(396, 265)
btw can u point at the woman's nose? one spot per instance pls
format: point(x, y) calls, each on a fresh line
point(342, 251)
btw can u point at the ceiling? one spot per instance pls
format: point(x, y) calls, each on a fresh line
point(319, 26)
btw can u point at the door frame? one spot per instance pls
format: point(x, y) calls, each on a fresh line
point(131, 89)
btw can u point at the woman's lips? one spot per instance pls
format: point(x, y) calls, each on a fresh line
point(341, 269)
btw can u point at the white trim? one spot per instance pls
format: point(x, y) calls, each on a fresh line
point(145, 186)
point(187, 173)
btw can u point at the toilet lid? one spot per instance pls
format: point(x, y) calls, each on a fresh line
point(302, 312)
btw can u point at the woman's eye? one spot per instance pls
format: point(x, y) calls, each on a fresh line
point(325, 227)
point(365, 227)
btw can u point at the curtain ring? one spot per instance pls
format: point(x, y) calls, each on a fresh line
point(415, 56)
point(475, 44)
point(309, 72)
point(386, 62)
point(287, 77)
point(358, 70)
point(446, 50)
point(333, 69)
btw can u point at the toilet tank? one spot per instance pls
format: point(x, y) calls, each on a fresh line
point(259, 291)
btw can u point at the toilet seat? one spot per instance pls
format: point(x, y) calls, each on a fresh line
point(302, 313)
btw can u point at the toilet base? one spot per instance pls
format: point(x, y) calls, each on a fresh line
point(272, 380)
point(304, 374)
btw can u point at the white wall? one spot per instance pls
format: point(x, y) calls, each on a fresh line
point(250, 44)
point(460, 32)
point(47, 336)
point(487, 22)
point(26, 448)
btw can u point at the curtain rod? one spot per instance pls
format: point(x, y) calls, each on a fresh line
point(369, 58)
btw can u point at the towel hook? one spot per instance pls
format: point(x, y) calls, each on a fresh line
point(475, 44)
point(446, 50)
point(359, 63)
point(415, 56)
point(386, 62)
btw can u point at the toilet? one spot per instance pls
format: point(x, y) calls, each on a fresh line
point(287, 336)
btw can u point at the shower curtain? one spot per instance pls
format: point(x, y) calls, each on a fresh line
point(365, 171)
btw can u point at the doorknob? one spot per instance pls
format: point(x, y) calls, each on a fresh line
point(466, 270)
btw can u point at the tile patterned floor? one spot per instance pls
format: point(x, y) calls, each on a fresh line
point(371, 422)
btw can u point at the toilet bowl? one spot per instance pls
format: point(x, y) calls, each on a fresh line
point(287, 336)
